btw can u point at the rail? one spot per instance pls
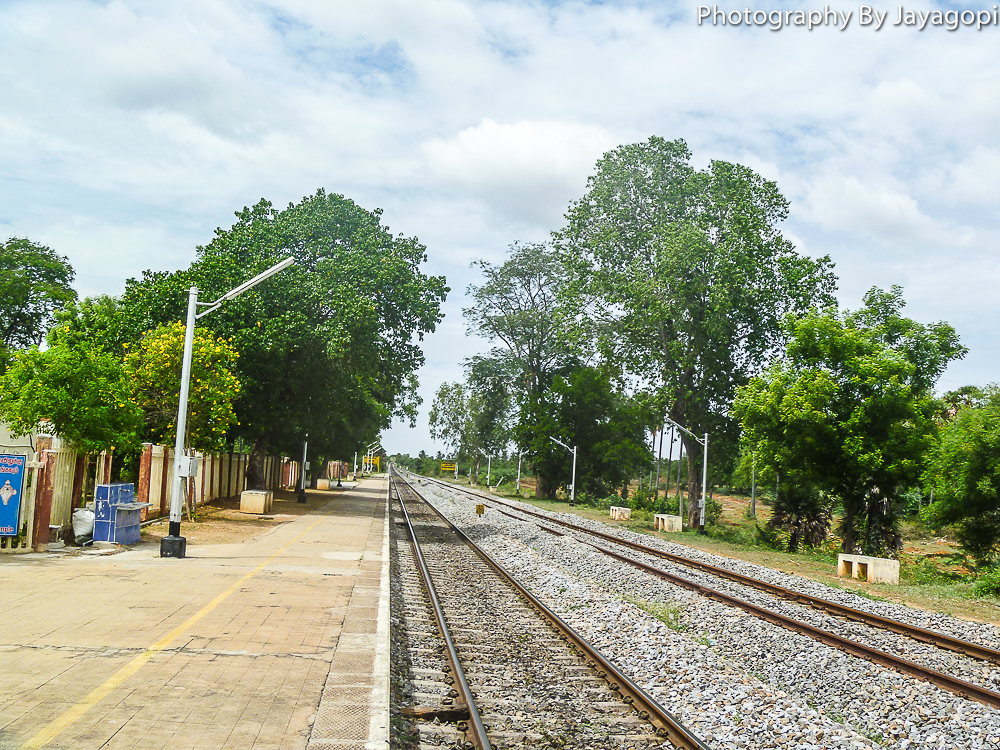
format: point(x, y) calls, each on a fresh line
point(647, 706)
point(475, 720)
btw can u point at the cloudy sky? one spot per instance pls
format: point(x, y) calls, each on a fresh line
point(130, 130)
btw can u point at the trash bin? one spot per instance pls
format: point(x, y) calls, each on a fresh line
point(116, 514)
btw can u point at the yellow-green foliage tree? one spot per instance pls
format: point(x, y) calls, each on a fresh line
point(155, 366)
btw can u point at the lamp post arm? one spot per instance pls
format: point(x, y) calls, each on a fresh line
point(683, 429)
point(560, 442)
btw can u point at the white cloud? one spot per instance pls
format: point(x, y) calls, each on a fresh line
point(975, 180)
point(525, 170)
point(843, 203)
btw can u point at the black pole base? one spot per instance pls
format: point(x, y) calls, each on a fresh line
point(701, 530)
point(302, 495)
point(173, 546)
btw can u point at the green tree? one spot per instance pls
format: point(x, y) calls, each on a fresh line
point(85, 394)
point(450, 421)
point(517, 306)
point(472, 418)
point(849, 410)
point(683, 278)
point(804, 512)
point(609, 430)
point(964, 470)
point(155, 366)
point(328, 347)
point(95, 321)
point(34, 283)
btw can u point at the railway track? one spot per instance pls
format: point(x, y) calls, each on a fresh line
point(943, 680)
point(494, 663)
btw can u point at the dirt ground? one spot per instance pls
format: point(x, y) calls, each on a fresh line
point(222, 522)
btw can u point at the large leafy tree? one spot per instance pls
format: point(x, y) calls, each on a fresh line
point(683, 278)
point(964, 470)
point(84, 394)
point(34, 283)
point(95, 321)
point(583, 409)
point(328, 347)
point(517, 309)
point(849, 410)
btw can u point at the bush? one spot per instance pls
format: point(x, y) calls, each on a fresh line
point(988, 584)
point(768, 536)
point(804, 513)
point(926, 572)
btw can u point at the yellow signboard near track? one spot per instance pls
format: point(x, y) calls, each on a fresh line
point(447, 466)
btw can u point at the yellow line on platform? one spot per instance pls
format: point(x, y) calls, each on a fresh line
point(50, 732)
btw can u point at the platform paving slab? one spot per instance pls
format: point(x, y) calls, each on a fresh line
point(241, 645)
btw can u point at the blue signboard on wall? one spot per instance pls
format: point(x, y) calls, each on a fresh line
point(11, 492)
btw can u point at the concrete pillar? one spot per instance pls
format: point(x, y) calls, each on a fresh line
point(145, 470)
point(43, 501)
point(79, 480)
point(164, 498)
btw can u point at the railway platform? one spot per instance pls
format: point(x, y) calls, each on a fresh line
point(275, 642)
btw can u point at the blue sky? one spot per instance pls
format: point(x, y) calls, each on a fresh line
point(130, 130)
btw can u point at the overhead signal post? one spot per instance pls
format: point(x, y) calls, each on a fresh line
point(704, 473)
point(572, 486)
point(174, 545)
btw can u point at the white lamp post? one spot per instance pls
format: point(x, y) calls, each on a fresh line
point(302, 478)
point(489, 463)
point(174, 545)
point(572, 486)
point(704, 473)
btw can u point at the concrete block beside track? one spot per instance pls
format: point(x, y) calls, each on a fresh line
point(865, 568)
point(665, 522)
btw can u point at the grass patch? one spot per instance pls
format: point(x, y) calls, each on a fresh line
point(669, 614)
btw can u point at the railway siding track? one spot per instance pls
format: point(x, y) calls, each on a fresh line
point(941, 679)
point(610, 700)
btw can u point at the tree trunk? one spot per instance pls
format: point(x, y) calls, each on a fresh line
point(793, 538)
point(255, 465)
point(847, 526)
point(545, 488)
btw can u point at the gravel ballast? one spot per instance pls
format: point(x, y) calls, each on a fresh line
point(737, 680)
